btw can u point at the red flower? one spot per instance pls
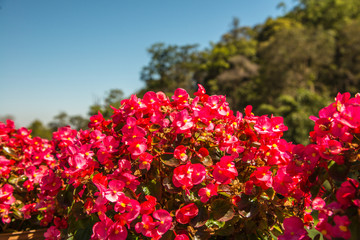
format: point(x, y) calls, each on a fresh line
point(186, 176)
point(129, 208)
point(137, 147)
point(180, 95)
point(206, 193)
point(225, 170)
point(148, 206)
point(262, 177)
point(186, 213)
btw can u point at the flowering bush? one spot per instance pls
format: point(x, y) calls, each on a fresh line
point(28, 183)
point(187, 168)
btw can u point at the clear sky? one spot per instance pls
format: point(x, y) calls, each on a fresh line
point(63, 55)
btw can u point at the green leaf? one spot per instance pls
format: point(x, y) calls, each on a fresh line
point(211, 223)
point(169, 160)
point(222, 210)
point(154, 128)
point(339, 172)
point(202, 217)
point(227, 230)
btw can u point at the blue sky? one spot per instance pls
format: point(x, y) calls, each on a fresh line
point(63, 55)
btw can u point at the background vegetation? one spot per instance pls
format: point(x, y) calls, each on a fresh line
point(290, 66)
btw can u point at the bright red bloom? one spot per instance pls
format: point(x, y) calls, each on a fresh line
point(147, 226)
point(181, 237)
point(225, 170)
point(4, 213)
point(96, 120)
point(180, 95)
point(186, 176)
point(186, 213)
point(145, 160)
point(129, 208)
point(282, 182)
point(100, 182)
point(27, 210)
point(206, 193)
point(262, 177)
point(137, 147)
point(148, 206)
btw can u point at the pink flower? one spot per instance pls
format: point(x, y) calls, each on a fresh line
point(165, 220)
point(52, 233)
point(183, 121)
point(115, 190)
point(347, 191)
point(263, 125)
point(6, 194)
point(147, 226)
point(100, 229)
point(294, 230)
point(145, 160)
point(117, 232)
point(318, 203)
point(341, 227)
point(180, 153)
point(186, 213)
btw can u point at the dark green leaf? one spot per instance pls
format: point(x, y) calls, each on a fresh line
point(222, 210)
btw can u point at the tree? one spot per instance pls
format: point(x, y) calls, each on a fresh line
point(170, 67)
point(330, 14)
point(63, 119)
point(38, 129)
point(112, 98)
point(294, 58)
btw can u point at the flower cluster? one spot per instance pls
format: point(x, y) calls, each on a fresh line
point(184, 168)
point(29, 184)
